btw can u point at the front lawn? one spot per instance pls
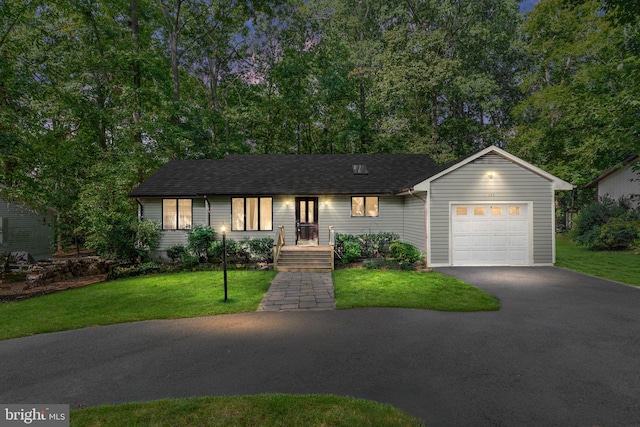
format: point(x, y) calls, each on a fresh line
point(179, 295)
point(619, 266)
point(165, 296)
point(259, 410)
point(389, 288)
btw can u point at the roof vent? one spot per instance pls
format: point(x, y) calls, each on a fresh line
point(360, 170)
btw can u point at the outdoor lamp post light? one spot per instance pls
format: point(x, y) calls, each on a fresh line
point(224, 259)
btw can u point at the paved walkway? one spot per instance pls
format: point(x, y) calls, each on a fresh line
point(299, 291)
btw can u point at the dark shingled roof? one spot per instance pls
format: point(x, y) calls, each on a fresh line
point(594, 182)
point(275, 174)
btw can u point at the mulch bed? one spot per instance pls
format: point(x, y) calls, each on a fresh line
point(15, 291)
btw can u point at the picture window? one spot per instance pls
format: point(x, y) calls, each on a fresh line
point(251, 213)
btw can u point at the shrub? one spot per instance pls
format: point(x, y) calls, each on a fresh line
point(125, 239)
point(176, 252)
point(372, 245)
point(260, 250)
point(147, 237)
point(352, 252)
point(341, 239)
point(376, 245)
point(593, 215)
point(605, 224)
point(618, 233)
point(237, 252)
point(200, 239)
point(189, 261)
point(215, 251)
point(404, 253)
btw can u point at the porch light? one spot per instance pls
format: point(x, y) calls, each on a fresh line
point(490, 175)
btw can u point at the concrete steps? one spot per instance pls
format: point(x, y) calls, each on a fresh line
point(305, 259)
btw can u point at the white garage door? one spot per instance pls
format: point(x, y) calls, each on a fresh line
point(488, 234)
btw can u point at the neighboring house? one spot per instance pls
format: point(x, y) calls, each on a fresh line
point(23, 230)
point(489, 208)
point(622, 180)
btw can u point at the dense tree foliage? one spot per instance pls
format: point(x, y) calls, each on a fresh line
point(95, 94)
point(582, 111)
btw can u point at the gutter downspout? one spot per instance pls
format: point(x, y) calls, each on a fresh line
point(410, 190)
point(208, 210)
point(140, 209)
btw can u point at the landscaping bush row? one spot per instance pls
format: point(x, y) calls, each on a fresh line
point(203, 251)
point(204, 247)
point(607, 224)
point(351, 248)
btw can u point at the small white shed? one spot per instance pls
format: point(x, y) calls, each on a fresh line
point(620, 181)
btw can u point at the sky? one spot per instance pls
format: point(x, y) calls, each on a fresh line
point(527, 5)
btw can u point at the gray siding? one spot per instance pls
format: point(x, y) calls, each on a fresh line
point(414, 222)
point(332, 211)
point(625, 182)
point(24, 230)
point(337, 213)
point(221, 214)
point(511, 183)
point(152, 210)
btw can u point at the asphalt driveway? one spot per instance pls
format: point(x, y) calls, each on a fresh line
point(563, 350)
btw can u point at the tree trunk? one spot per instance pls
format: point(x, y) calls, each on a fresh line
point(174, 31)
point(363, 117)
point(137, 80)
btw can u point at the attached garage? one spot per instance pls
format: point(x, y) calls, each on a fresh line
point(490, 208)
point(490, 234)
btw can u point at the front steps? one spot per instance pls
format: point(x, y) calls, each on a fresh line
point(307, 259)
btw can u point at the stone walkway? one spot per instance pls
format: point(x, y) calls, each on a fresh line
point(299, 291)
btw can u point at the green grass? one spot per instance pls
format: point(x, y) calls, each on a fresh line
point(167, 296)
point(388, 288)
point(259, 410)
point(180, 295)
point(622, 267)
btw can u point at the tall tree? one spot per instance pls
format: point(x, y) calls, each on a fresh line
point(581, 114)
point(450, 65)
point(356, 29)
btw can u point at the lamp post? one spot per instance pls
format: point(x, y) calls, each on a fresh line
point(224, 259)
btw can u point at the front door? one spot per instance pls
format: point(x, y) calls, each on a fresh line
point(307, 221)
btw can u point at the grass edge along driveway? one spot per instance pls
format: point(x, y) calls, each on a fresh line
point(619, 266)
point(162, 296)
point(264, 410)
point(180, 295)
point(405, 289)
